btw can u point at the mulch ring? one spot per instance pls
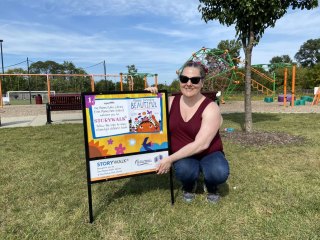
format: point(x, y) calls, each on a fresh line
point(262, 138)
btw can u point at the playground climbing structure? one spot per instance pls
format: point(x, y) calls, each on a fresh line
point(221, 75)
point(263, 82)
point(258, 85)
point(316, 98)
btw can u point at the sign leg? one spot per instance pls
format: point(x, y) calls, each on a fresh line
point(171, 186)
point(90, 203)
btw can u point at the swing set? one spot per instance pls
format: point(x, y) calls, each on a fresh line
point(53, 85)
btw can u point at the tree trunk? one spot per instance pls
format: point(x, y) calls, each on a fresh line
point(247, 100)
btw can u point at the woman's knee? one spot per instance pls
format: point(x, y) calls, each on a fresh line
point(215, 168)
point(187, 169)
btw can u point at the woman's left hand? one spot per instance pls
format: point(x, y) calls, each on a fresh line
point(164, 166)
point(152, 89)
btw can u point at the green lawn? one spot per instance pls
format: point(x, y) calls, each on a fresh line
point(273, 191)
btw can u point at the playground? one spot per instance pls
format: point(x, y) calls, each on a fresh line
point(35, 115)
point(272, 191)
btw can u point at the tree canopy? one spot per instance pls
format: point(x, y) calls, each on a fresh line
point(309, 53)
point(250, 18)
point(250, 15)
point(233, 46)
point(281, 59)
point(138, 81)
point(52, 67)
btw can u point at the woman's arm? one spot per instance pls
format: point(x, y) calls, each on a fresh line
point(155, 90)
point(210, 124)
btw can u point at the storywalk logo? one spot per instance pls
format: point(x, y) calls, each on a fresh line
point(142, 162)
point(112, 162)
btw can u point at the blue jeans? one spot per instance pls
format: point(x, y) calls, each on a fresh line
point(214, 166)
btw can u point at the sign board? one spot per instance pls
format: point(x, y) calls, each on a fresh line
point(126, 133)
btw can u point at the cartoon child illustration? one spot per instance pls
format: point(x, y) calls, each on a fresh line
point(148, 125)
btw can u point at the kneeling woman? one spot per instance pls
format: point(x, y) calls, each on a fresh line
point(195, 140)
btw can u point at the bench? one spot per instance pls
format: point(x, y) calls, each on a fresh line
point(63, 102)
point(209, 94)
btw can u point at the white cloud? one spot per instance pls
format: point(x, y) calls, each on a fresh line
point(298, 24)
point(156, 46)
point(168, 32)
point(48, 42)
point(181, 10)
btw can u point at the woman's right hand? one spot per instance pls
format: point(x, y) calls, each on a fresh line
point(152, 89)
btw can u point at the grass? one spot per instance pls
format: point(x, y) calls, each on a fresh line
point(272, 192)
point(257, 96)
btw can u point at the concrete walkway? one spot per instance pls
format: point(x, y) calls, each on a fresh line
point(35, 115)
point(40, 120)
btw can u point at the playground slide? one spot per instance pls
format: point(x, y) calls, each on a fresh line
point(262, 75)
point(258, 86)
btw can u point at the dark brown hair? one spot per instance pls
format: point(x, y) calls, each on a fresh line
point(198, 65)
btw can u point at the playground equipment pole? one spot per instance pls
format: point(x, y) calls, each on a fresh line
point(92, 83)
point(1, 102)
point(29, 80)
point(274, 84)
point(285, 87)
point(1, 41)
point(293, 84)
point(121, 84)
point(156, 80)
point(48, 85)
point(145, 81)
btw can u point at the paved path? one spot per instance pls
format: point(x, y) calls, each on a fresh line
point(35, 115)
point(40, 120)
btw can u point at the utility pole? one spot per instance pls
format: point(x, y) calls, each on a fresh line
point(105, 72)
point(29, 80)
point(1, 41)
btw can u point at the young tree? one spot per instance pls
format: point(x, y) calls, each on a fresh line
point(15, 83)
point(278, 62)
point(281, 59)
point(174, 86)
point(250, 18)
point(233, 46)
point(313, 76)
point(309, 53)
point(138, 80)
point(105, 85)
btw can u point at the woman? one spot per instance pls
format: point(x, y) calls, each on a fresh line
point(195, 141)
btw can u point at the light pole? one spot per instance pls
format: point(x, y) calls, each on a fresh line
point(2, 59)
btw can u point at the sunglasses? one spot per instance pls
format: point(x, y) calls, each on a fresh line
point(185, 79)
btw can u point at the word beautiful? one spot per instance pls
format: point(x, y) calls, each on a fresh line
point(143, 104)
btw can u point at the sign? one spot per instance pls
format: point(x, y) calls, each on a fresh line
point(125, 133)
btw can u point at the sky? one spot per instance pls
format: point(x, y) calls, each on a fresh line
point(156, 36)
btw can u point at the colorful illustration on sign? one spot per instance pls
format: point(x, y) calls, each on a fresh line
point(95, 150)
point(145, 122)
point(126, 123)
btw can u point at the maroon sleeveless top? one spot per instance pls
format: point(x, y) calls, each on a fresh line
point(182, 133)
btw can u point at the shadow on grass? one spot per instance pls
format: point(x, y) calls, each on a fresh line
point(256, 117)
point(138, 185)
point(223, 189)
point(4, 124)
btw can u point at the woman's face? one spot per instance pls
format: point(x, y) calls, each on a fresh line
point(190, 89)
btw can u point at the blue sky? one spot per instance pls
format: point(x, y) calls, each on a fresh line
point(156, 36)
